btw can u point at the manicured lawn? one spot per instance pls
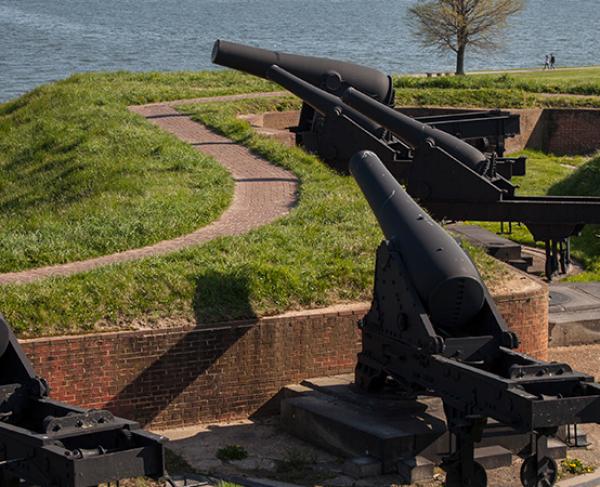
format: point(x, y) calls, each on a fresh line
point(508, 90)
point(82, 177)
point(322, 253)
point(583, 81)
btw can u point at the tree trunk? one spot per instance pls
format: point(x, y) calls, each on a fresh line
point(460, 61)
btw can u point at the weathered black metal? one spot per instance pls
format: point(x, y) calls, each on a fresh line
point(52, 444)
point(467, 362)
point(321, 132)
point(330, 74)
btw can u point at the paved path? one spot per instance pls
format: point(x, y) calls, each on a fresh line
point(262, 192)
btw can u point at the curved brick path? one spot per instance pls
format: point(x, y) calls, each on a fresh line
point(262, 192)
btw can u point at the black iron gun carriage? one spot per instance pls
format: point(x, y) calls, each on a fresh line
point(51, 444)
point(433, 329)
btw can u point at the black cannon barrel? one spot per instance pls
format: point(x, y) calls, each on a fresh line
point(413, 132)
point(445, 278)
point(323, 102)
point(331, 74)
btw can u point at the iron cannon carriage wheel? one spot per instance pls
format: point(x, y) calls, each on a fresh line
point(539, 474)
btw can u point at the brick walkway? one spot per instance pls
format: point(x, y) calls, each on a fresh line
point(262, 193)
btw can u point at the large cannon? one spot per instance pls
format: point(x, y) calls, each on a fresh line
point(433, 329)
point(51, 444)
point(327, 135)
point(451, 178)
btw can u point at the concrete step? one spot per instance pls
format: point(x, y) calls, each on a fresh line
point(386, 433)
point(493, 457)
point(574, 314)
point(351, 431)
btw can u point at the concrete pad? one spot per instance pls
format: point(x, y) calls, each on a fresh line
point(570, 297)
point(588, 480)
point(574, 314)
point(415, 469)
point(361, 467)
point(351, 429)
point(493, 457)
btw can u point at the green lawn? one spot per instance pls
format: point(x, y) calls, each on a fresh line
point(584, 81)
point(82, 177)
point(322, 253)
point(508, 90)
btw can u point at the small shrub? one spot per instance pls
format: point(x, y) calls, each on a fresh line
point(232, 452)
point(575, 466)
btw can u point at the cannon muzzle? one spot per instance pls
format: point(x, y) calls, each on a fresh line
point(413, 132)
point(443, 275)
point(329, 74)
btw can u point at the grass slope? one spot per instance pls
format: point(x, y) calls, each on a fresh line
point(545, 89)
point(322, 253)
point(582, 81)
point(82, 177)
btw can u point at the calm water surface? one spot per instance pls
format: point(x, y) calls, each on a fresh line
point(45, 40)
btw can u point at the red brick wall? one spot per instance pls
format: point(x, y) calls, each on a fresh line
point(182, 376)
point(572, 131)
point(526, 313)
point(561, 131)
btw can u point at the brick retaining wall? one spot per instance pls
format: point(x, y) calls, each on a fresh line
point(181, 376)
point(561, 131)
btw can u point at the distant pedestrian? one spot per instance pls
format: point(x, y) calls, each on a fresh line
point(547, 62)
point(552, 61)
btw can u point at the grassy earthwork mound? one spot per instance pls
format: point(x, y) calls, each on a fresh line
point(83, 177)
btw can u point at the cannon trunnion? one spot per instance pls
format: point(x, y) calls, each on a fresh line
point(468, 362)
point(51, 444)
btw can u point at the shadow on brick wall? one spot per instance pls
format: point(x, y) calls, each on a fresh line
point(175, 386)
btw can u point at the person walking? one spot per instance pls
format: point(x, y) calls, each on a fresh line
point(552, 61)
point(547, 62)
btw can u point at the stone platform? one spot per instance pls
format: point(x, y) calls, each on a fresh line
point(381, 434)
point(574, 314)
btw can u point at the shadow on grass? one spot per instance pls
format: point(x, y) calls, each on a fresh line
point(222, 296)
point(185, 358)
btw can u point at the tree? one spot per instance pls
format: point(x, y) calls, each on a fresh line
point(456, 24)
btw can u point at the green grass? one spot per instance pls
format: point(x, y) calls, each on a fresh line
point(489, 97)
point(543, 89)
point(83, 177)
point(322, 253)
point(567, 81)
